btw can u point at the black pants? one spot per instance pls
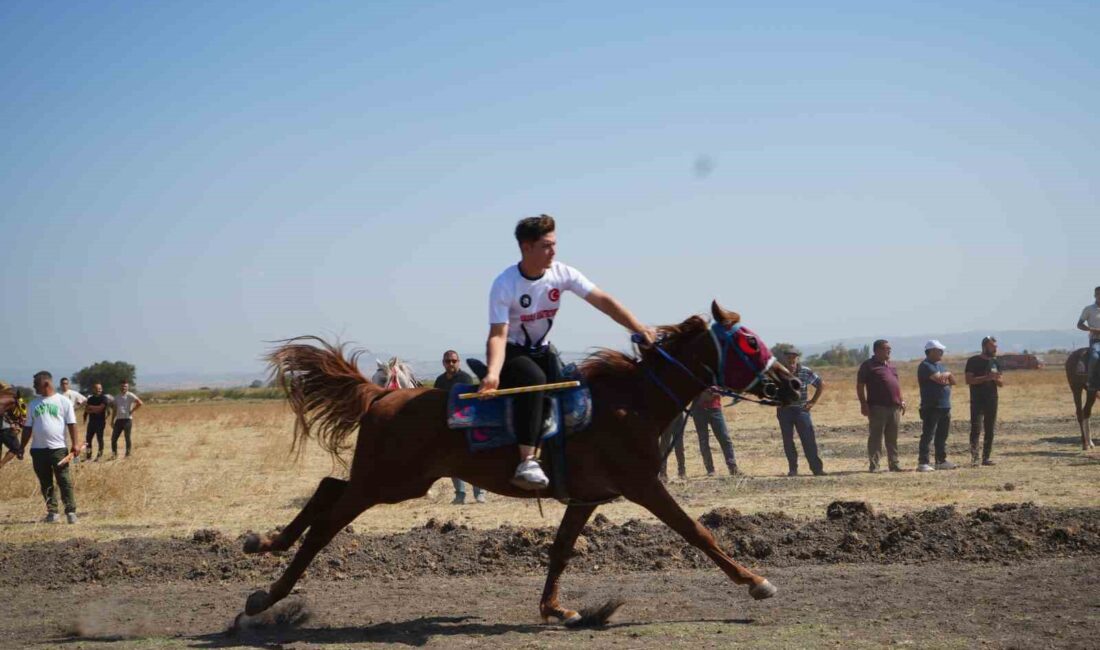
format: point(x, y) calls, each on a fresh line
point(937, 424)
point(524, 367)
point(95, 430)
point(122, 425)
point(982, 412)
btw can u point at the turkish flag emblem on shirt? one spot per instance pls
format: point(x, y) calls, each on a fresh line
point(555, 295)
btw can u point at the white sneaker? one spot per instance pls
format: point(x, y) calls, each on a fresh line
point(946, 465)
point(529, 476)
point(925, 468)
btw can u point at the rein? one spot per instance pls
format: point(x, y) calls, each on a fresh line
point(716, 331)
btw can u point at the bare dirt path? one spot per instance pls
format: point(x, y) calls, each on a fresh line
point(1014, 575)
point(1042, 604)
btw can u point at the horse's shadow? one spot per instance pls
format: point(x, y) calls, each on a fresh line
point(415, 632)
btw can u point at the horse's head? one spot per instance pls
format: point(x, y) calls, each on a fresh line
point(744, 362)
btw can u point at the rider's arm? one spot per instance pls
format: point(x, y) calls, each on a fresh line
point(494, 355)
point(603, 301)
point(1082, 325)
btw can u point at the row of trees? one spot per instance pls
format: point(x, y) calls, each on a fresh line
point(839, 355)
point(109, 373)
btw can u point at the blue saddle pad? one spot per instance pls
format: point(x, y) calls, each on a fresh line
point(488, 423)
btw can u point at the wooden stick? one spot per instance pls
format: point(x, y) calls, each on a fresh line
point(65, 461)
point(501, 392)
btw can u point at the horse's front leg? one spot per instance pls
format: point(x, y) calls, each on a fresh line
point(653, 496)
point(571, 525)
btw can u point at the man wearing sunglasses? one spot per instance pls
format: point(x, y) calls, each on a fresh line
point(452, 375)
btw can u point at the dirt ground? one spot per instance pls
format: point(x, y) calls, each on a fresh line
point(998, 556)
point(1015, 575)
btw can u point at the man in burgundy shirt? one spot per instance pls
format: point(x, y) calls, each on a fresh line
point(880, 402)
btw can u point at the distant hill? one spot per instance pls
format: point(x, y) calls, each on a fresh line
point(912, 347)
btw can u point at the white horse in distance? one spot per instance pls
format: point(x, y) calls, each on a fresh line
point(395, 373)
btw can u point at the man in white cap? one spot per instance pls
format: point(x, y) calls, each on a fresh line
point(935, 406)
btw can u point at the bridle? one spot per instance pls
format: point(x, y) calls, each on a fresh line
point(724, 344)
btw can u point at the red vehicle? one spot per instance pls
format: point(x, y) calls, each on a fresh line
point(1020, 361)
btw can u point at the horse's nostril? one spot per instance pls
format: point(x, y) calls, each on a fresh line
point(770, 390)
point(795, 384)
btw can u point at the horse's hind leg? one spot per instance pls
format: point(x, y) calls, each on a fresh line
point(653, 497)
point(571, 525)
point(357, 497)
point(323, 498)
point(321, 532)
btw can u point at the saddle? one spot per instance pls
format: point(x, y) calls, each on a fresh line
point(488, 423)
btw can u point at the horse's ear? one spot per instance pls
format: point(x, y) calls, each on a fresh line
point(381, 366)
point(723, 316)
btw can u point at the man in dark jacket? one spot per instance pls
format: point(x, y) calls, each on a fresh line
point(452, 375)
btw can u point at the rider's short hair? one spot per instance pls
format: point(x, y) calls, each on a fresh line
point(42, 375)
point(878, 344)
point(531, 229)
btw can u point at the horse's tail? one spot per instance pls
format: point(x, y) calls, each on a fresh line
point(325, 389)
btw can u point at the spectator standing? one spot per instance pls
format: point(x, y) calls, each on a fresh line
point(95, 414)
point(935, 407)
point(706, 412)
point(797, 417)
point(881, 403)
point(48, 417)
point(983, 375)
point(1090, 322)
point(124, 407)
point(453, 374)
point(673, 435)
point(74, 396)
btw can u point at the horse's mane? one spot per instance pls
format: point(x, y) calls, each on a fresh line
point(612, 364)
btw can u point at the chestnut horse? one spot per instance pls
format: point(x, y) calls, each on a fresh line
point(404, 445)
point(1078, 378)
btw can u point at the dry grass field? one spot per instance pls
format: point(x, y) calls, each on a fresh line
point(225, 465)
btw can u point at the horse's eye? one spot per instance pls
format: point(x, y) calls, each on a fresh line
point(749, 344)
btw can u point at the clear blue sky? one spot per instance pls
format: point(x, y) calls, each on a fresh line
point(184, 180)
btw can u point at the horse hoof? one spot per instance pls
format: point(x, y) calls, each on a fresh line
point(762, 591)
point(568, 617)
point(257, 602)
point(252, 543)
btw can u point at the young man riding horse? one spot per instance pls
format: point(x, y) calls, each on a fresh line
point(523, 304)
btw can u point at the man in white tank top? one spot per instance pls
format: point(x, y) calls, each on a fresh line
point(523, 307)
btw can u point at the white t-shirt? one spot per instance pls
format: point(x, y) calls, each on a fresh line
point(123, 405)
point(1091, 316)
point(47, 417)
point(75, 397)
point(530, 306)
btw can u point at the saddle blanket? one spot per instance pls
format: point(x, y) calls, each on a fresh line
point(488, 423)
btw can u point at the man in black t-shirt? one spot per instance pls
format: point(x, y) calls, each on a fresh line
point(95, 414)
point(452, 375)
point(983, 375)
